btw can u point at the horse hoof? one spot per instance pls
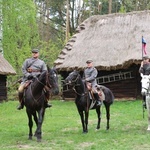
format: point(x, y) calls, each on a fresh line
point(38, 140)
point(30, 138)
point(85, 132)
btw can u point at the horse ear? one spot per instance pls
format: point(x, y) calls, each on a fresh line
point(54, 69)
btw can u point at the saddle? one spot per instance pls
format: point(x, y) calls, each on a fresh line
point(99, 91)
point(27, 83)
point(46, 89)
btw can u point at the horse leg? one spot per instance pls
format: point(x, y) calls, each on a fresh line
point(30, 123)
point(82, 120)
point(40, 121)
point(36, 121)
point(99, 117)
point(148, 110)
point(107, 106)
point(86, 120)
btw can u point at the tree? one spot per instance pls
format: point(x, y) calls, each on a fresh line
point(20, 32)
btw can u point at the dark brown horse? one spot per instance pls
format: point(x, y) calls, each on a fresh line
point(34, 99)
point(84, 102)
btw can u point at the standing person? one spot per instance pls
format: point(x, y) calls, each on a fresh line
point(32, 67)
point(90, 74)
point(145, 70)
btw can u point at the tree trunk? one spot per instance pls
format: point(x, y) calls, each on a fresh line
point(67, 21)
point(110, 7)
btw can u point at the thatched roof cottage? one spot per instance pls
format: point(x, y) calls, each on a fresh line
point(5, 69)
point(114, 42)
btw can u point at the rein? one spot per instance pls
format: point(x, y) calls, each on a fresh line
point(47, 86)
point(33, 96)
point(75, 85)
point(83, 94)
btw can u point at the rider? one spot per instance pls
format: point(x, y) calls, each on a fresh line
point(90, 74)
point(32, 67)
point(145, 70)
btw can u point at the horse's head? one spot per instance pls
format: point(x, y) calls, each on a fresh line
point(72, 78)
point(53, 80)
point(145, 84)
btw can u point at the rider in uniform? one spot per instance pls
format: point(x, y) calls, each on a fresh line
point(32, 67)
point(90, 74)
point(145, 70)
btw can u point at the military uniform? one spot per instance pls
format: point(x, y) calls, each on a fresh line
point(32, 67)
point(90, 76)
point(145, 70)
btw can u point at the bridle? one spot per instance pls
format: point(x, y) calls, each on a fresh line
point(47, 86)
point(75, 80)
point(73, 83)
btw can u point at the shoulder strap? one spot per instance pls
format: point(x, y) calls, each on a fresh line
point(32, 63)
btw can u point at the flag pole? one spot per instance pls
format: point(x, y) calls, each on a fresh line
point(142, 46)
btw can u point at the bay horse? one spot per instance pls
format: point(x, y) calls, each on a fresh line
point(84, 102)
point(34, 99)
point(145, 91)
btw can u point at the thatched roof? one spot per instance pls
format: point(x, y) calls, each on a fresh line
point(5, 67)
point(113, 42)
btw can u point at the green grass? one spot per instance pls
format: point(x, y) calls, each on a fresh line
point(62, 128)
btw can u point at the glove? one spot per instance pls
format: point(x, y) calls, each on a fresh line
point(30, 77)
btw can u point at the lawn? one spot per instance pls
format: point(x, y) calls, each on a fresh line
point(62, 128)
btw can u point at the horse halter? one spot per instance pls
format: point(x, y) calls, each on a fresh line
point(47, 81)
point(72, 81)
point(47, 85)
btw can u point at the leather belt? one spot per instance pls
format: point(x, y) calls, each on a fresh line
point(32, 70)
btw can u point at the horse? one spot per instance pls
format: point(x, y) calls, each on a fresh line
point(84, 101)
point(35, 97)
point(145, 91)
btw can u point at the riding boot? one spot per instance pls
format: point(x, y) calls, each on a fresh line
point(96, 96)
point(144, 102)
point(20, 96)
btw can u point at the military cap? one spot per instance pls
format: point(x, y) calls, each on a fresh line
point(145, 57)
point(89, 61)
point(35, 50)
